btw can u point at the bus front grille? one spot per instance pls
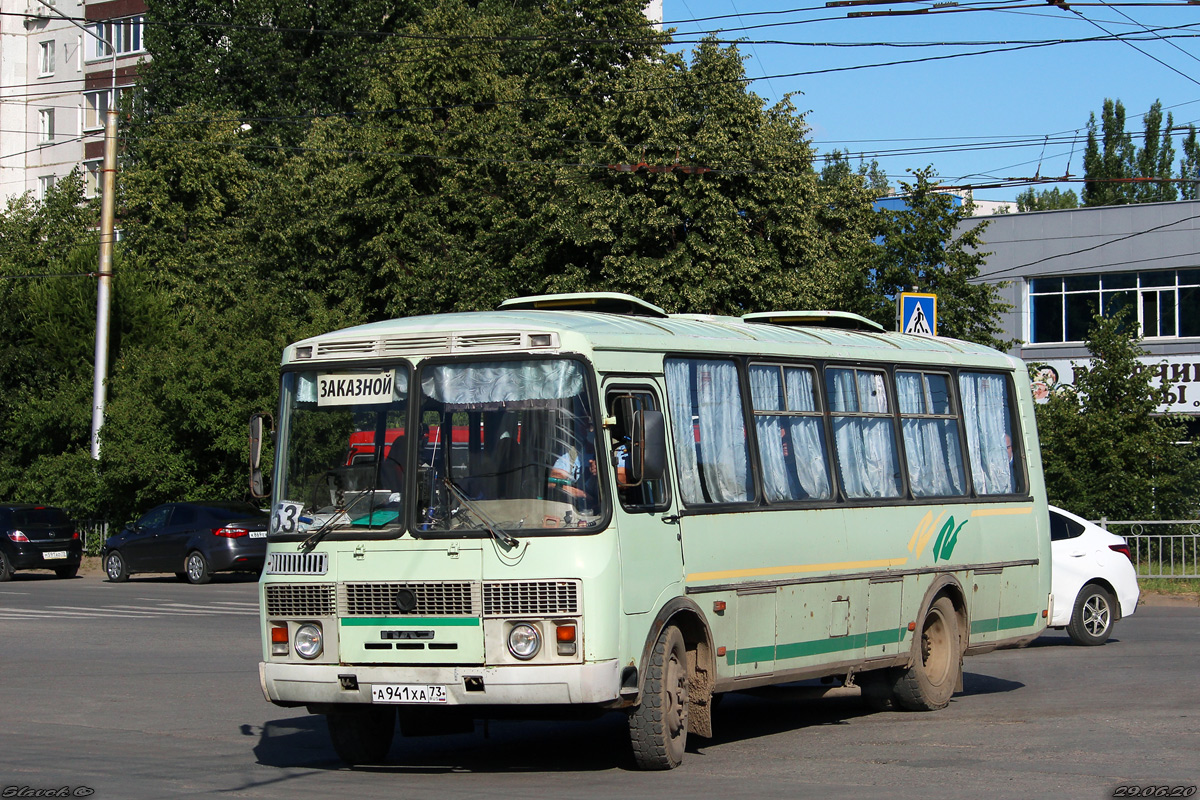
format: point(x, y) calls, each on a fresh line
point(528, 598)
point(435, 598)
point(297, 563)
point(301, 599)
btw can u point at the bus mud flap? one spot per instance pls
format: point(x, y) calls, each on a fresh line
point(700, 687)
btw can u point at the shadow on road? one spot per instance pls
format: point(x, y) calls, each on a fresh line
point(974, 683)
point(504, 746)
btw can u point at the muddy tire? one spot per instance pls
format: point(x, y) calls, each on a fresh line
point(658, 727)
point(929, 683)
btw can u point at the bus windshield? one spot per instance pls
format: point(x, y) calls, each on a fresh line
point(498, 444)
point(507, 443)
point(342, 450)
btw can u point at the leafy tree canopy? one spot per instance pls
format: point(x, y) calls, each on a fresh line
point(920, 251)
point(1117, 170)
point(1046, 200)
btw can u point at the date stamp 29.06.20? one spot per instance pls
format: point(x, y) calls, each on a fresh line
point(1154, 790)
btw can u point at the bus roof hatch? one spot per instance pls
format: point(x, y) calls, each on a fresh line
point(603, 302)
point(815, 319)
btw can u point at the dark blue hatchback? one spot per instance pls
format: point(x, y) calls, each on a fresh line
point(38, 537)
point(192, 540)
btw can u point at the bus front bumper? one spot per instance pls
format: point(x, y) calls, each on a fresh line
point(557, 684)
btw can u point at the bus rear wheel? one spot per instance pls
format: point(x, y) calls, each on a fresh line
point(658, 727)
point(362, 734)
point(929, 683)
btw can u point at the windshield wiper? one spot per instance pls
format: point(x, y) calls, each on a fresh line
point(489, 524)
point(316, 536)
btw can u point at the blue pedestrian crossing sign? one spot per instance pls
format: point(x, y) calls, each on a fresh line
point(918, 313)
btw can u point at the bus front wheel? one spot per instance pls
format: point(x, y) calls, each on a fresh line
point(929, 683)
point(658, 727)
point(362, 734)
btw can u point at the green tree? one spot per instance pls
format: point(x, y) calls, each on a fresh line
point(920, 249)
point(1113, 163)
point(662, 178)
point(1046, 200)
point(271, 62)
point(1189, 167)
point(47, 259)
point(1105, 450)
point(837, 168)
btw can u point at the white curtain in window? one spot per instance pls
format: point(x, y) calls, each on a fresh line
point(866, 447)
point(792, 448)
point(679, 404)
point(501, 382)
point(931, 445)
point(721, 459)
point(989, 431)
point(723, 450)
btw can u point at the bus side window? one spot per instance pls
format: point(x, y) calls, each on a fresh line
point(647, 495)
point(994, 450)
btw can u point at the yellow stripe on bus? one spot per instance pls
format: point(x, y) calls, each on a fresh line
point(998, 512)
point(764, 571)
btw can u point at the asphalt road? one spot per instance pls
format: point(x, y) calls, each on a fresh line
point(149, 689)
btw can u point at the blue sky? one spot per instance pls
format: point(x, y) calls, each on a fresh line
point(966, 105)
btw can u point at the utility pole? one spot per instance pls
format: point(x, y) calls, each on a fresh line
point(108, 205)
point(108, 185)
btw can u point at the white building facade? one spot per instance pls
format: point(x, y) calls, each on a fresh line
point(59, 65)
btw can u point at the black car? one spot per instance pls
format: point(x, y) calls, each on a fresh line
point(38, 537)
point(193, 540)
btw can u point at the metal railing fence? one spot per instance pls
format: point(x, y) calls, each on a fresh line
point(94, 532)
point(1172, 550)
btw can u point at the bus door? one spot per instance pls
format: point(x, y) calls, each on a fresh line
point(651, 556)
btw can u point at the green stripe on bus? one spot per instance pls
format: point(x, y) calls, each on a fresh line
point(432, 622)
point(749, 655)
point(1003, 623)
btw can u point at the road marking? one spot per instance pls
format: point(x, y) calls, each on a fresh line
point(128, 612)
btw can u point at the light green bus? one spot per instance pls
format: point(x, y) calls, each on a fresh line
point(580, 503)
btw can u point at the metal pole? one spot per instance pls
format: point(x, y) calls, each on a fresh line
point(107, 234)
point(108, 182)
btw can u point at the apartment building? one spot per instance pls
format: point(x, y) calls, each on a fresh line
point(62, 63)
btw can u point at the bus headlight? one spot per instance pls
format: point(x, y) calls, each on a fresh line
point(308, 641)
point(524, 641)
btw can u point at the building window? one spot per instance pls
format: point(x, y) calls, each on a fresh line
point(123, 34)
point(46, 125)
point(1164, 304)
point(45, 184)
point(46, 60)
point(94, 108)
point(92, 187)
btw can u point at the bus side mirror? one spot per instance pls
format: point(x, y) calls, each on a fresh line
point(647, 447)
point(258, 488)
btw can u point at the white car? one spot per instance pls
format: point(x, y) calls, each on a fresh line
point(1093, 578)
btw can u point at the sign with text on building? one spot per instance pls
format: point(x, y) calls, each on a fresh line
point(918, 313)
point(1182, 372)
